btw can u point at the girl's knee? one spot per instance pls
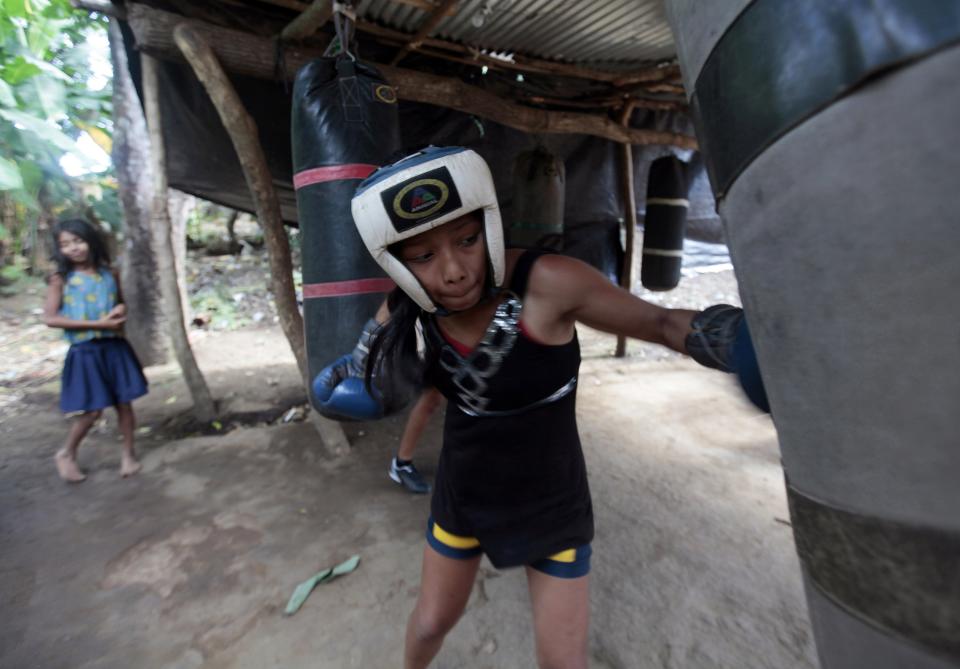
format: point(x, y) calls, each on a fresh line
point(93, 416)
point(432, 625)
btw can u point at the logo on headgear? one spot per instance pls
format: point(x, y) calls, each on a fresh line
point(420, 198)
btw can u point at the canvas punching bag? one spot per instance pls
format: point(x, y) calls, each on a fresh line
point(539, 179)
point(664, 223)
point(345, 125)
point(830, 136)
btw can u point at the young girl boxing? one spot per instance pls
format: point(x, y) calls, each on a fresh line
point(500, 345)
point(101, 370)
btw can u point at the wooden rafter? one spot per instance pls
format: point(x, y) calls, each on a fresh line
point(455, 94)
point(246, 54)
point(308, 22)
point(428, 26)
point(609, 102)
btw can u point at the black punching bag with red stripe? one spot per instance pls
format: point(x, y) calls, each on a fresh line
point(345, 125)
point(664, 224)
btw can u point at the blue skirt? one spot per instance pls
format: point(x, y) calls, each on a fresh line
point(100, 373)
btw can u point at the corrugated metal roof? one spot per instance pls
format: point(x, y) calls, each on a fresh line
point(586, 32)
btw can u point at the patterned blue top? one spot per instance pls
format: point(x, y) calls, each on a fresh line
point(88, 297)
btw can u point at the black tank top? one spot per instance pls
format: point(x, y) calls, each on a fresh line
point(511, 471)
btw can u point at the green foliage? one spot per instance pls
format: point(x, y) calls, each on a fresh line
point(10, 274)
point(46, 103)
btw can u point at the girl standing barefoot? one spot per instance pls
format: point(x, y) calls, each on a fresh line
point(101, 369)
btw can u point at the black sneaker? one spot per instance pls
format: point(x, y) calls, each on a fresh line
point(408, 477)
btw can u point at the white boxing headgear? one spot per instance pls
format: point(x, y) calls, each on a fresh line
point(419, 193)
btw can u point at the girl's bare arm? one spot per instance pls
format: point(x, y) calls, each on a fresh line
point(51, 307)
point(565, 290)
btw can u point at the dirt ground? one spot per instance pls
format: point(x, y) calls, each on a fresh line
point(191, 563)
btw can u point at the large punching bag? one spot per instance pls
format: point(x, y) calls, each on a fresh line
point(539, 180)
point(664, 223)
point(345, 125)
point(831, 138)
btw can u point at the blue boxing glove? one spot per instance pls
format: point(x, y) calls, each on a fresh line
point(339, 388)
point(747, 369)
point(721, 340)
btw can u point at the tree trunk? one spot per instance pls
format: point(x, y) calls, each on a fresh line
point(139, 278)
point(203, 406)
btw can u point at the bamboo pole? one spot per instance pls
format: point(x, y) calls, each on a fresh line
point(245, 137)
point(203, 405)
point(630, 217)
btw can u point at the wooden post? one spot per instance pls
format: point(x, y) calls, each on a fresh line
point(203, 405)
point(246, 141)
point(630, 217)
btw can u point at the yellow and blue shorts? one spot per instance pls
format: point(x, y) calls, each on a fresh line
point(570, 563)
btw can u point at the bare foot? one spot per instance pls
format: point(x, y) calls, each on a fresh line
point(67, 467)
point(129, 466)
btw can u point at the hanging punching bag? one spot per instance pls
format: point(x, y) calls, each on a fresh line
point(345, 125)
point(830, 134)
point(539, 179)
point(664, 223)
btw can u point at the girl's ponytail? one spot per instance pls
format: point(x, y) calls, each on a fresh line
point(393, 354)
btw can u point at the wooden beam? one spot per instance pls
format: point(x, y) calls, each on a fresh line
point(428, 26)
point(251, 55)
point(455, 94)
point(246, 141)
point(609, 102)
point(203, 405)
point(629, 219)
point(308, 22)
